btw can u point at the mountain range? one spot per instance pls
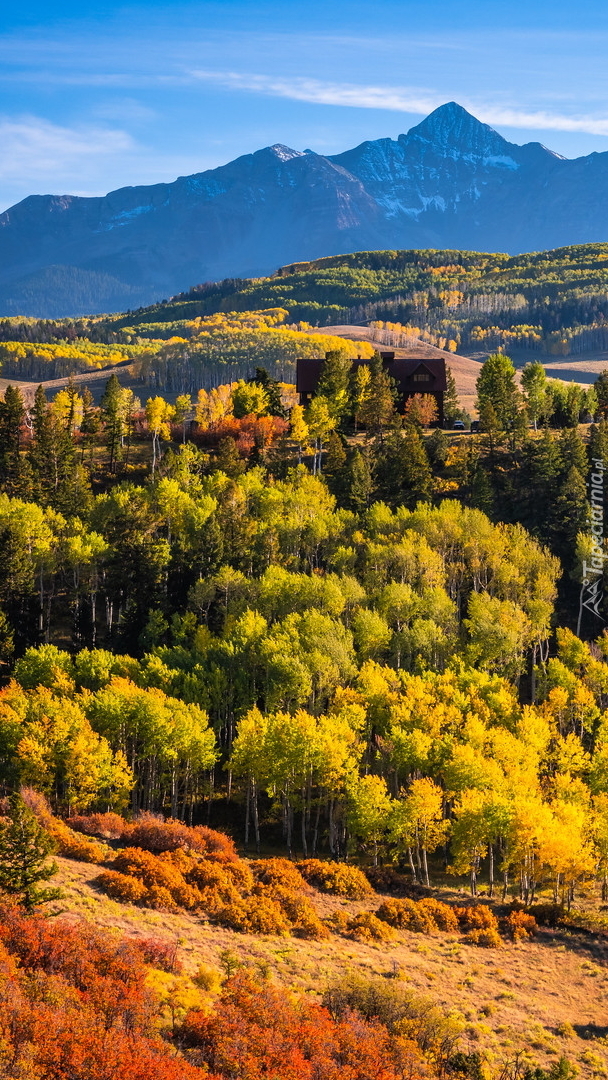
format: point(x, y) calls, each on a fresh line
point(450, 182)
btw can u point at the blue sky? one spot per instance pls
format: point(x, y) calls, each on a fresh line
point(94, 97)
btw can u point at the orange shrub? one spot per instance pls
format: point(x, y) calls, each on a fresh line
point(308, 925)
point(158, 897)
point(68, 843)
point(520, 925)
point(489, 938)
point(121, 887)
point(337, 878)
point(441, 913)
point(365, 927)
point(478, 917)
point(545, 914)
point(280, 872)
point(186, 896)
point(160, 954)
point(407, 915)
point(300, 912)
point(240, 874)
point(255, 915)
point(385, 879)
point(74, 846)
point(149, 868)
point(167, 888)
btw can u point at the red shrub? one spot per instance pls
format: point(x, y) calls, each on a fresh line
point(257, 1030)
point(105, 826)
point(160, 954)
point(153, 834)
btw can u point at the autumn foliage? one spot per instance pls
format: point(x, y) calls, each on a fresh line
point(338, 878)
point(258, 1030)
point(77, 1004)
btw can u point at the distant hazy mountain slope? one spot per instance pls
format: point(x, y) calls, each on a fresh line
point(451, 182)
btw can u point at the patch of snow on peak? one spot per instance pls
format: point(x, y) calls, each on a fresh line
point(284, 153)
point(501, 160)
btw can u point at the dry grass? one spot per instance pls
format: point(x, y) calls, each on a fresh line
point(548, 996)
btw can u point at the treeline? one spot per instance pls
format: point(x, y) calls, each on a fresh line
point(554, 302)
point(348, 640)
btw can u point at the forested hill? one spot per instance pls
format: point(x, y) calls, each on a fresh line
point(450, 182)
point(553, 302)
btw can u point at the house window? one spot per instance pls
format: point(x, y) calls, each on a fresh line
point(421, 376)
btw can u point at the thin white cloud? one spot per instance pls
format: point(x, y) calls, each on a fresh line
point(399, 99)
point(34, 148)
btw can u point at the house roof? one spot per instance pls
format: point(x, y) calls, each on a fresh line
point(401, 369)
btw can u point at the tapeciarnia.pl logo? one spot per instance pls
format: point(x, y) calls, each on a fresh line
point(592, 589)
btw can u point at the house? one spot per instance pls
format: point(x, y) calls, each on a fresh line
point(412, 375)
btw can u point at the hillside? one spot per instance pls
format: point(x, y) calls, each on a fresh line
point(545, 996)
point(450, 182)
point(551, 303)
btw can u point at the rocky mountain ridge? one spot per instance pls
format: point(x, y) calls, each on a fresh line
point(450, 182)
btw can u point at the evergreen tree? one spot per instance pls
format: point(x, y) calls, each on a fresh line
point(601, 391)
point(113, 416)
point(540, 470)
point(359, 390)
point(378, 410)
point(24, 848)
point(228, 459)
point(572, 452)
point(496, 387)
point(452, 408)
point(403, 473)
point(57, 479)
point(437, 446)
point(273, 391)
point(90, 424)
point(570, 514)
point(482, 492)
point(335, 460)
point(334, 384)
point(598, 441)
point(534, 385)
point(357, 483)
point(12, 468)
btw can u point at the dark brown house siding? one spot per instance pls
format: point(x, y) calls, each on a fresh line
point(412, 376)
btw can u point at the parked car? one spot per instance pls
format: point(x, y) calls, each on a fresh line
point(458, 425)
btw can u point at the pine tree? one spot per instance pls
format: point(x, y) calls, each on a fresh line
point(482, 493)
point(12, 468)
point(437, 446)
point(598, 441)
point(570, 513)
point(496, 387)
point(24, 848)
point(403, 472)
point(273, 391)
point(90, 424)
point(57, 479)
point(113, 416)
point(601, 390)
point(335, 458)
point(378, 410)
point(534, 384)
point(452, 408)
point(357, 483)
point(572, 453)
point(334, 383)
